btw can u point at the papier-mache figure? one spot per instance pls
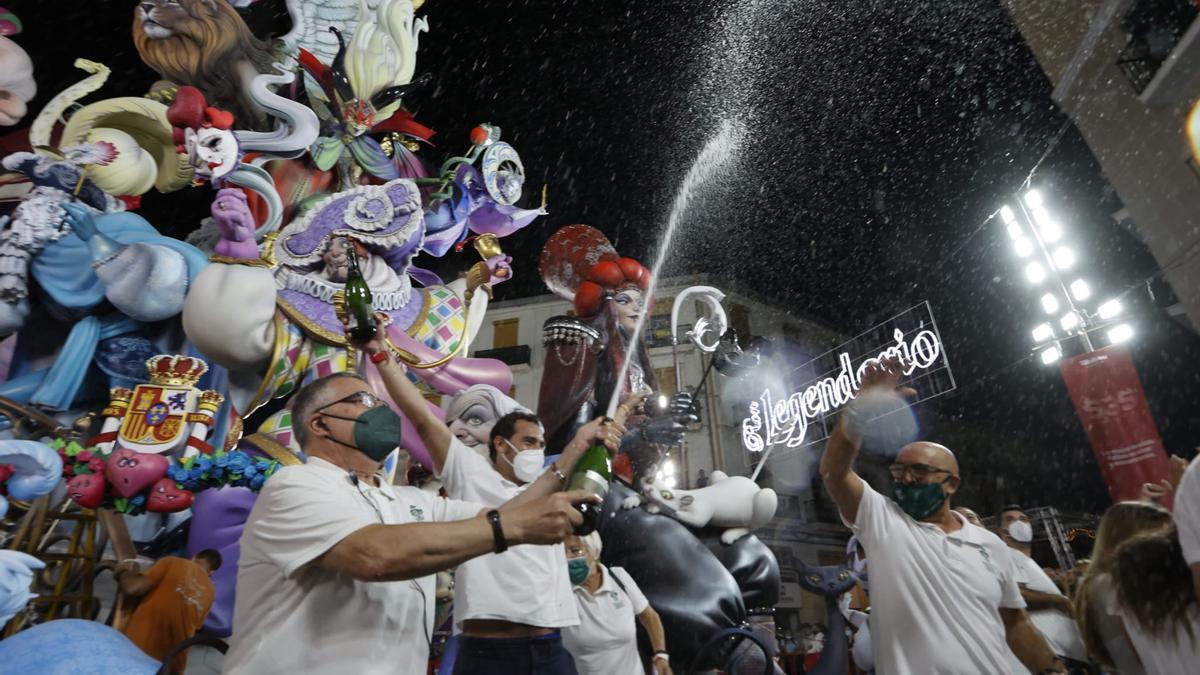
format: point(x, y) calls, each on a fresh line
point(17, 87)
point(699, 584)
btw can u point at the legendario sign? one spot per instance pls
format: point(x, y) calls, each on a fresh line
point(832, 380)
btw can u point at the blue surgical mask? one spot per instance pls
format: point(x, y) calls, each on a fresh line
point(578, 570)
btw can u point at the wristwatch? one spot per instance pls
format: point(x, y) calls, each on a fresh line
point(500, 544)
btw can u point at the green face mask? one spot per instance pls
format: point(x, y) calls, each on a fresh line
point(920, 500)
point(376, 432)
point(577, 569)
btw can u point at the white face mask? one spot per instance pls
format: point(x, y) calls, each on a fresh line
point(1020, 532)
point(528, 465)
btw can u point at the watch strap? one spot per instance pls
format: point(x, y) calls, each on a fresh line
point(662, 655)
point(500, 544)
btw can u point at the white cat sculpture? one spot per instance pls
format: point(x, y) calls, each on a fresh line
point(732, 502)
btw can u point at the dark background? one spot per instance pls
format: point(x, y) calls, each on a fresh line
point(880, 136)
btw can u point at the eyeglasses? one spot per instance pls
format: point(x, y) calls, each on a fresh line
point(917, 471)
point(362, 398)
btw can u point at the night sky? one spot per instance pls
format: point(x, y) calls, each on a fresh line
point(879, 137)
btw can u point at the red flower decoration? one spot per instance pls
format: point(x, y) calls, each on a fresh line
point(96, 465)
point(83, 456)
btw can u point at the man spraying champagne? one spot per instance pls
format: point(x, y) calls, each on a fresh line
point(511, 604)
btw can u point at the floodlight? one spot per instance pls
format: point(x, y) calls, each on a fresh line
point(1035, 273)
point(1080, 290)
point(1050, 303)
point(1051, 354)
point(1023, 247)
point(1120, 333)
point(1110, 309)
point(1042, 332)
point(1063, 257)
point(1033, 198)
point(1015, 232)
point(1050, 231)
point(1069, 320)
point(1006, 214)
point(668, 467)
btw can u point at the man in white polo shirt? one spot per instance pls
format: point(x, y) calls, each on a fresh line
point(1187, 520)
point(336, 567)
point(1050, 610)
point(510, 606)
point(944, 599)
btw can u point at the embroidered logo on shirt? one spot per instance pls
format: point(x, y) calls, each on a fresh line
point(417, 512)
point(616, 598)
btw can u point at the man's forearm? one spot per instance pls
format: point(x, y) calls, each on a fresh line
point(1040, 600)
point(409, 551)
point(1028, 643)
point(841, 450)
point(433, 431)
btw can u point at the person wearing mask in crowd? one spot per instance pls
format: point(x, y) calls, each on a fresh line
point(1187, 519)
point(610, 606)
point(1154, 597)
point(972, 517)
point(944, 596)
point(1100, 625)
point(511, 606)
point(1050, 610)
point(176, 594)
point(337, 566)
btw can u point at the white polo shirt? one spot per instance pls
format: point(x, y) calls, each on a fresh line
point(1187, 513)
point(605, 641)
point(526, 584)
point(292, 617)
point(935, 597)
point(1060, 629)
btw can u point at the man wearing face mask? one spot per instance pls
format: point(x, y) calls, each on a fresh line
point(510, 606)
point(336, 571)
point(1050, 610)
point(944, 597)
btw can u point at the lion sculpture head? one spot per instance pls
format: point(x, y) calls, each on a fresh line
point(204, 43)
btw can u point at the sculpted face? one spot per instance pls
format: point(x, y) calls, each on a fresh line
point(212, 152)
point(159, 17)
point(474, 425)
point(629, 306)
point(337, 259)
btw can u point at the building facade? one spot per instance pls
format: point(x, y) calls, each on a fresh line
point(1127, 72)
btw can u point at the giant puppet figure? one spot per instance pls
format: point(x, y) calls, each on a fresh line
point(699, 579)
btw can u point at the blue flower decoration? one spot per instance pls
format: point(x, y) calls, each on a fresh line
point(257, 482)
point(195, 473)
point(138, 500)
point(250, 471)
point(223, 460)
point(204, 463)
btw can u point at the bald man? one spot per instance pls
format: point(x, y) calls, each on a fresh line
point(944, 596)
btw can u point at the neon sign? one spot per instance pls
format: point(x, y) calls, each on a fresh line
point(786, 421)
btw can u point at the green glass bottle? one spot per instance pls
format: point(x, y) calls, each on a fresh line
point(592, 473)
point(359, 313)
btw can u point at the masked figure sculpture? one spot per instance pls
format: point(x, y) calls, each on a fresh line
point(699, 584)
point(473, 412)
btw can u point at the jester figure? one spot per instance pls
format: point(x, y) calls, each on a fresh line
point(699, 585)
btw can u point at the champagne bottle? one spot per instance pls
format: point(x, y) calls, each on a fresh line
point(359, 313)
point(592, 473)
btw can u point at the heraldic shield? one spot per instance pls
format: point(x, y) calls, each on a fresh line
point(158, 414)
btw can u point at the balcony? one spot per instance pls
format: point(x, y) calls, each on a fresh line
point(1161, 57)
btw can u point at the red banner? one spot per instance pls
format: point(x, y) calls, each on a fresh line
point(1111, 403)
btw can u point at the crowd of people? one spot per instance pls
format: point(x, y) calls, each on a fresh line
point(337, 558)
point(949, 596)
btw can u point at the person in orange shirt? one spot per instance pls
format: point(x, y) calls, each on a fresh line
point(176, 594)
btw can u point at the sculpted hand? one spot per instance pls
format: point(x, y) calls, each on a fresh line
point(232, 215)
point(544, 521)
point(500, 267)
point(80, 220)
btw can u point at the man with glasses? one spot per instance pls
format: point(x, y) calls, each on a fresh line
point(944, 599)
point(510, 606)
point(336, 573)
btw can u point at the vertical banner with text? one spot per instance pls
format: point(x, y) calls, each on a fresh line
point(1110, 401)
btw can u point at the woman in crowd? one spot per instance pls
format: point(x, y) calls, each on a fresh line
point(605, 641)
point(1154, 597)
point(1099, 622)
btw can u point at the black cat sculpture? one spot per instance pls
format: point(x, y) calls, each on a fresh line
point(831, 582)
